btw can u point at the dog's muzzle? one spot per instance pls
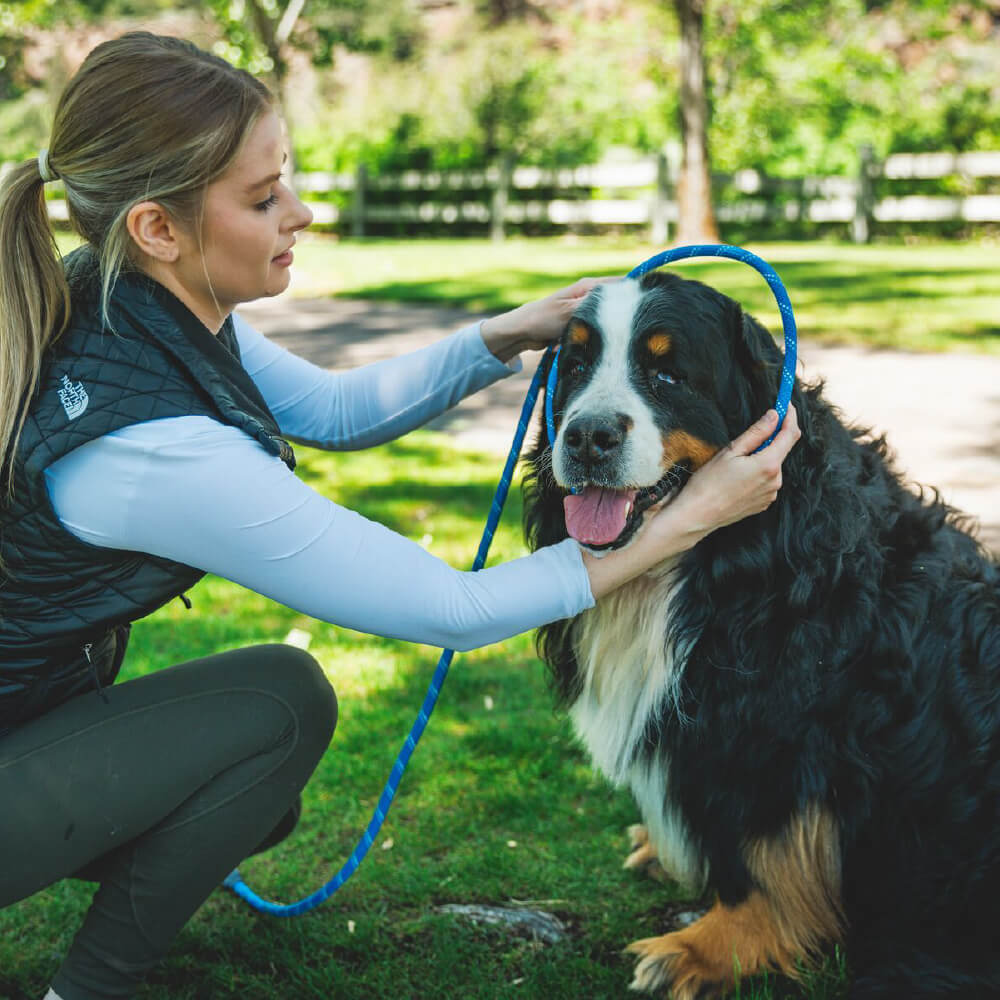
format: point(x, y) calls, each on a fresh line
point(605, 508)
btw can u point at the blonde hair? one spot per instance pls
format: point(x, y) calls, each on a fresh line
point(146, 117)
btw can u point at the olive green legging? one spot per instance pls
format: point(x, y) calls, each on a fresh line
point(158, 794)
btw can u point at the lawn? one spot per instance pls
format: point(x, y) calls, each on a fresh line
point(929, 296)
point(924, 297)
point(499, 804)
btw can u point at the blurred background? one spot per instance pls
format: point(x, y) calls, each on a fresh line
point(465, 156)
point(682, 119)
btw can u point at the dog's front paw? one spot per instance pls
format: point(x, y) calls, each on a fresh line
point(708, 957)
point(667, 964)
point(642, 856)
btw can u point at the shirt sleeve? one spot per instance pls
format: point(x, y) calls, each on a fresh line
point(204, 494)
point(371, 404)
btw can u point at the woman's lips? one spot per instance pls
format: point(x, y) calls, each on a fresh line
point(283, 259)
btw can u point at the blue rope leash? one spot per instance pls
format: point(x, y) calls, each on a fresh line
point(234, 880)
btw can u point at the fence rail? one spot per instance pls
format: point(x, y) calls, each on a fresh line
point(642, 193)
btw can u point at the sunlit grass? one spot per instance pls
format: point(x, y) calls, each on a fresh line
point(928, 297)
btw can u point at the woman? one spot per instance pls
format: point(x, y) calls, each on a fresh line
point(143, 429)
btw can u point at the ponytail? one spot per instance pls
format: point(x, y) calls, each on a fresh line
point(34, 300)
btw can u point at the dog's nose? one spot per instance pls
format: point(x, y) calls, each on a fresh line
point(593, 439)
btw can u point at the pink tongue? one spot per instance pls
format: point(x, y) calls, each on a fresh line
point(596, 516)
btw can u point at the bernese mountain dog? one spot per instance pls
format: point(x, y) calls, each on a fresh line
point(806, 705)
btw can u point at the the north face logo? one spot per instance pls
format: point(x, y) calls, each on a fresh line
point(74, 398)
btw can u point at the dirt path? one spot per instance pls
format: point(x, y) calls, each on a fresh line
point(941, 412)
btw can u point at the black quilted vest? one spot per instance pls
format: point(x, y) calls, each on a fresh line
point(65, 605)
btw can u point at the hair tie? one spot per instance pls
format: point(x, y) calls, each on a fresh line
point(46, 172)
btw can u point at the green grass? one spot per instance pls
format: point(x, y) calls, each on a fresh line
point(929, 296)
point(926, 297)
point(499, 803)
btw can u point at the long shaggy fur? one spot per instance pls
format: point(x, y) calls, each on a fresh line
point(837, 656)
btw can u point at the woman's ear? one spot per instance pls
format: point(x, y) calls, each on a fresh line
point(154, 232)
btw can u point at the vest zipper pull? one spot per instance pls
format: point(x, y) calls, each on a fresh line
point(87, 646)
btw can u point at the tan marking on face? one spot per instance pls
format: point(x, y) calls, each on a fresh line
point(659, 344)
point(781, 926)
point(579, 333)
point(679, 446)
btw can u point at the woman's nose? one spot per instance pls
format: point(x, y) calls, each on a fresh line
point(297, 214)
point(302, 215)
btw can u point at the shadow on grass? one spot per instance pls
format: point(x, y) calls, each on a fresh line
point(871, 284)
point(813, 285)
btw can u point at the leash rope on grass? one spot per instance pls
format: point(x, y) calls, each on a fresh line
point(234, 880)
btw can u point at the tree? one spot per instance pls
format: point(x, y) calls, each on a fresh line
point(257, 38)
point(263, 36)
point(696, 218)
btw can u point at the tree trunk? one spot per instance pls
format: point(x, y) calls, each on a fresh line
point(274, 35)
point(696, 218)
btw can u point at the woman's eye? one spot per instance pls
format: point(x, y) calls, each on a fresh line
point(666, 378)
point(270, 202)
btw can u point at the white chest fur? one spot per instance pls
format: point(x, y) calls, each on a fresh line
point(627, 670)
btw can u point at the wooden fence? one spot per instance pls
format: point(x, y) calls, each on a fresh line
point(641, 194)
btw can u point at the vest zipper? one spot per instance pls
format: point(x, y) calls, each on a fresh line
point(87, 646)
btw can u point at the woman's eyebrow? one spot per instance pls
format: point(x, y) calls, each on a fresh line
point(270, 179)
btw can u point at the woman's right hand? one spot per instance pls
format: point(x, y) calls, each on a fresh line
point(736, 482)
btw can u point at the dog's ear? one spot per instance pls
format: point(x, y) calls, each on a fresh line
point(755, 371)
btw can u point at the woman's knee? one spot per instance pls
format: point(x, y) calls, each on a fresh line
point(297, 677)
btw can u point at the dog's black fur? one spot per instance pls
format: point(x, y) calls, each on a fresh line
point(844, 652)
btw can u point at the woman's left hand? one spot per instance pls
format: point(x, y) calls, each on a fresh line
point(535, 325)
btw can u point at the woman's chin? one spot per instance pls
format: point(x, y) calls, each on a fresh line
point(277, 282)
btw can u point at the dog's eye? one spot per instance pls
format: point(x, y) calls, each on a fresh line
point(575, 369)
point(666, 378)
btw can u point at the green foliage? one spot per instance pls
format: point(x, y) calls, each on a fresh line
point(794, 88)
point(25, 124)
point(460, 105)
point(241, 43)
point(389, 26)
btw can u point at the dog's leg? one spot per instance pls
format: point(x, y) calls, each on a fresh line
point(793, 911)
point(707, 958)
point(642, 856)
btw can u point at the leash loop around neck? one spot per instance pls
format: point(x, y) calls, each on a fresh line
point(711, 250)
